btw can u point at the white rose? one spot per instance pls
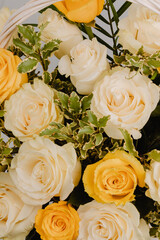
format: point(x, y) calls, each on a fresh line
point(153, 181)
point(30, 110)
point(128, 98)
point(42, 170)
point(16, 218)
point(108, 221)
point(59, 28)
point(5, 13)
point(87, 65)
point(140, 27)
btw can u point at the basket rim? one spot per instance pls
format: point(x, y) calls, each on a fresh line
point(33, 6)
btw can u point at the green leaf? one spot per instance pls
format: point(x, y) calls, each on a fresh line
point(27, 32)
point(62, 136)
point(99, 139)
point(92, 118)
point(100, 29)
point(83, 123)
point(140, 51)
point(83, 154)
point(27, 65)
point(153, 231)
point(59, 125)
point(154, 155)
point(17, 143)
point(129, 146)
point(49, 132)
point(24, 47)
point(7, 151)
point(146, 70)
point(86, 102)
point(115, 15)
point(46, 77)
point(63, 99)
point(86, 130)
point(74, 103)
point(50, 46)
point(123, 8)
point(104, 20)
point(119, 59)
point(103, 121)
point(154, 75)
point(153, 63)
point(2, 112)
point(89, 145)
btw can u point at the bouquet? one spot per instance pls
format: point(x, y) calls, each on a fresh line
point(80, 159)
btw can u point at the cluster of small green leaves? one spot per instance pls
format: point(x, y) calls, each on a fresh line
point(153, 218)
point(146, 158)
point(29, 43)
point(5, 154)
point(61, 83)
point(81, 126)
point(142, 62)
point(154, 155)
point(7, 148)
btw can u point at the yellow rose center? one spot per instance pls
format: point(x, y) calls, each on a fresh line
point(115, 180)
point(58, 224)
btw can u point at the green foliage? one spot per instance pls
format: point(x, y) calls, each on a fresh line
point(128, 145)
point(153, 218)
point(154, 155)
point(28, 65)
point(29, 44)
point(5, 154)
point(145, 64)
point(2, 112)
point(109, 19)
point(81, 126)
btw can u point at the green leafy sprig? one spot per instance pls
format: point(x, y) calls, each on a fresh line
point(153, 218)
point(81, 127)
point(29, 43)
point(142, 62)
point(7, 150)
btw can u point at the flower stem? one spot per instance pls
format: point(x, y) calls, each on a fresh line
point(112, 31)
point(89, 31)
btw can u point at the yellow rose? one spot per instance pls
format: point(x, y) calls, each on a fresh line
point(10, 79)
point(58, 221)
point(80, 10)
point(114, 178)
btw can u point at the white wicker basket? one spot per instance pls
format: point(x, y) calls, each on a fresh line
point(33, 6)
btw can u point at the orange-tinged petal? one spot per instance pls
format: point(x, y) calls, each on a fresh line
point(132, 161)
point(88, 178)
point(86, 13)
point(100, 4)
point(75, 4)
point(58, 221)
point(61, 7)
point(114, 178)
point(79, 10)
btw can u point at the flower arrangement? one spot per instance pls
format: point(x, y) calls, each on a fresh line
point(82, 156)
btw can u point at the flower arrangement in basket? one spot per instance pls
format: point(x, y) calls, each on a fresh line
point(82, 154)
